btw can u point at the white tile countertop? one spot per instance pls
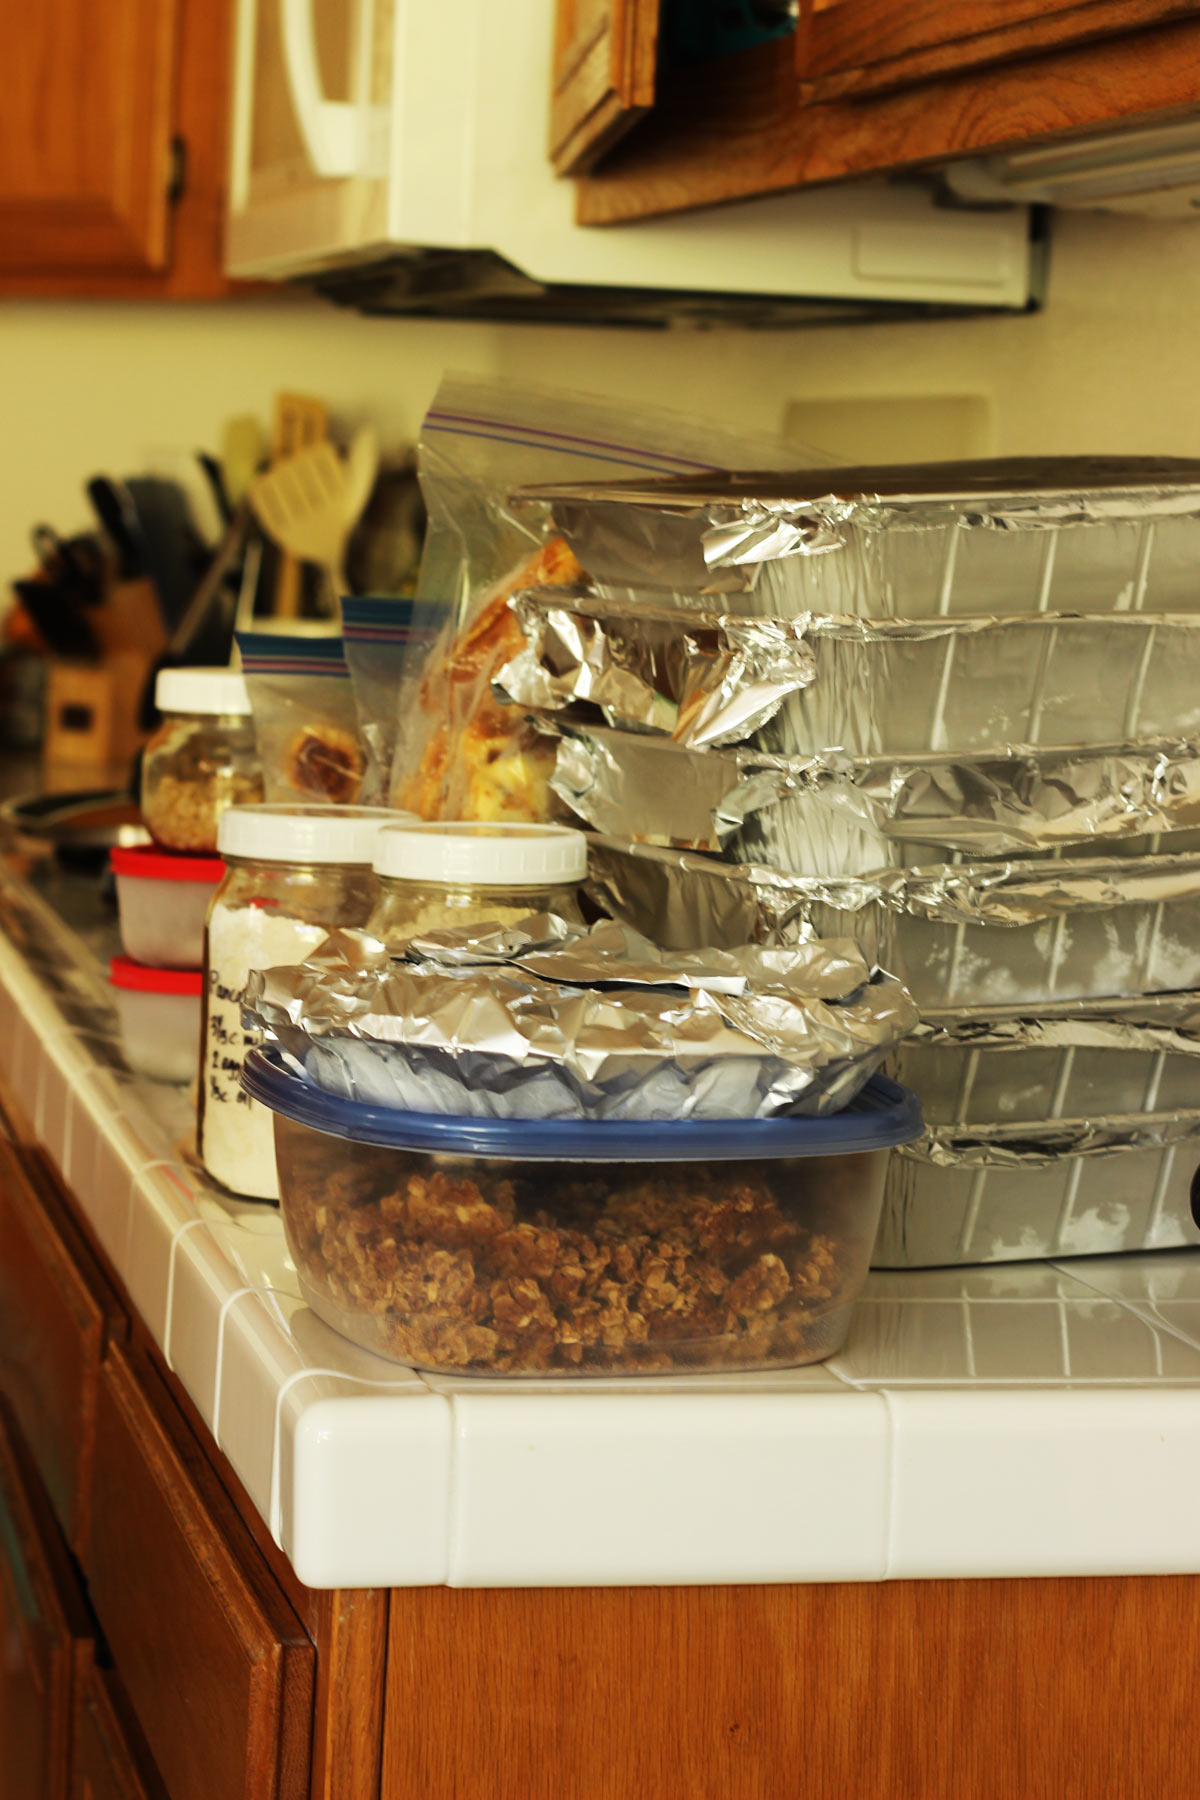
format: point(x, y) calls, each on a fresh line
point(1022, 1419)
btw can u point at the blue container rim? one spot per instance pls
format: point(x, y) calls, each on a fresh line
point(883, 1115)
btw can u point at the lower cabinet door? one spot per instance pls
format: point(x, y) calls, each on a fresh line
point(45, 1643)
point(215, 1664)
point(105, 1765)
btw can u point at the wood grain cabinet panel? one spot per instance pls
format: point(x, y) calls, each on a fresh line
point(869, 46)
point(45, 1643)
point(605, 53)
point(85, 149)
point(868, 87)
point(104, 1763)
point(214, 1661)
point(114, 148)
point(53, 1326)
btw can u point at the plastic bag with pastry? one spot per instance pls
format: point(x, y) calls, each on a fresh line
point(460, 753)
point(304, 718)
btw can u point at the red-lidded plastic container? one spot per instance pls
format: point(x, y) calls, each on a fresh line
point(163, 897)
point(160, 1018)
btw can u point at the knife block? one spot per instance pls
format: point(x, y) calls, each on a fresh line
point(92, 712)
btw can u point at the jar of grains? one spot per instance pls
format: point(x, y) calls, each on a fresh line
point(202, 759)
point(438, 875)
point(293, 874)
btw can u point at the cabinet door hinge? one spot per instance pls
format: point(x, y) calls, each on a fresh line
point(176, 170)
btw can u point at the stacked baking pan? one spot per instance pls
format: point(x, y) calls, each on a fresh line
point(953, 712)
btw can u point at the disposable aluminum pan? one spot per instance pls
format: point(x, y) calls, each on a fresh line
point(897, 687)
point(836, 815)
point(970, 934)
point(1007, 1207)
point(1084, 1061)
point(920, 541)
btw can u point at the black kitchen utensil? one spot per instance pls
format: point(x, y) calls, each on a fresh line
point(176, 555)
point(115, 511)
point(61, 620)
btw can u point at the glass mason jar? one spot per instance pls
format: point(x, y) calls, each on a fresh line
point(293, 874)
point(202, 759)
point(446, 874)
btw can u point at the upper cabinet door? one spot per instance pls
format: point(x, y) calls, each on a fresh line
point(605, 57)
point(870, 46)
point(85, 151)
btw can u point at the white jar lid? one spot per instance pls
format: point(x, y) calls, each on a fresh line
point(202, 691)
point(479, 855)
point(302, 834)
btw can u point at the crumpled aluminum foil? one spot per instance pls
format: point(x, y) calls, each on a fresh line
point(1045, 1141)
point(630, 784)
point(589, 1025)
point(703, 680)
point(721, 531)
point(980, 686)
point(656, 880)
point(1153, 1022)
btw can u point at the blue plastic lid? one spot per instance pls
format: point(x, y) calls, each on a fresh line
point(884, 1114)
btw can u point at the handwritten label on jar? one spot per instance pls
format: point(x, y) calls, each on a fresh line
point(237, 1134)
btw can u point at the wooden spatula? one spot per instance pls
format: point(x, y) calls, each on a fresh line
point(300, 421)
point(309, 503)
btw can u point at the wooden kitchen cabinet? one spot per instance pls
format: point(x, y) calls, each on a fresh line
point(204, 1670)
point(113, 148)
point(104, 1763)
point(874, 86)
point(45, 1637)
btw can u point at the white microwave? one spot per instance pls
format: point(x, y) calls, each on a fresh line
point(395, 152)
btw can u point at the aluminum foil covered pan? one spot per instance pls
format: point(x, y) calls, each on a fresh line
point(1081, 534)
point(532, 1022)
point(833, 814)
point(998, 1207)
point(817, 682)
point(956, 934)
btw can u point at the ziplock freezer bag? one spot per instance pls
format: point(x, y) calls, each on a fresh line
point(460, 753)
point(304, 718)
point(383, 638)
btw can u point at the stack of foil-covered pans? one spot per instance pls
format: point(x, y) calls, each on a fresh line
point(953, 712)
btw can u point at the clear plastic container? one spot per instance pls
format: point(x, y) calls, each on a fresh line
point(159, 1010)
point(293, 874)
point(162, 899)
point(502, 1247)
point(202, 759)
point(435, 875)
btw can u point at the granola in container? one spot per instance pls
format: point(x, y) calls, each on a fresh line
point(556, 1248)
point(202, 759)
point(538, 1150)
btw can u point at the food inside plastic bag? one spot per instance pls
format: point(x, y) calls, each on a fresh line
point(482, 758)
point(460, 753)
point(304, 718)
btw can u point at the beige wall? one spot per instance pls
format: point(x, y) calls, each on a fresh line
point(1112, 364)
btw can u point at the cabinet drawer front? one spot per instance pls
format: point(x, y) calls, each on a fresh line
point(104, 1764)
point(43, 1633)
point(213, 1660)
point(51, 1338)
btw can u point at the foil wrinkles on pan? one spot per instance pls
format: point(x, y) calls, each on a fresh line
point(1013, 1145)
point(629, 785)
point(723, 530)
point(539, 1021)
point(1000, 893)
